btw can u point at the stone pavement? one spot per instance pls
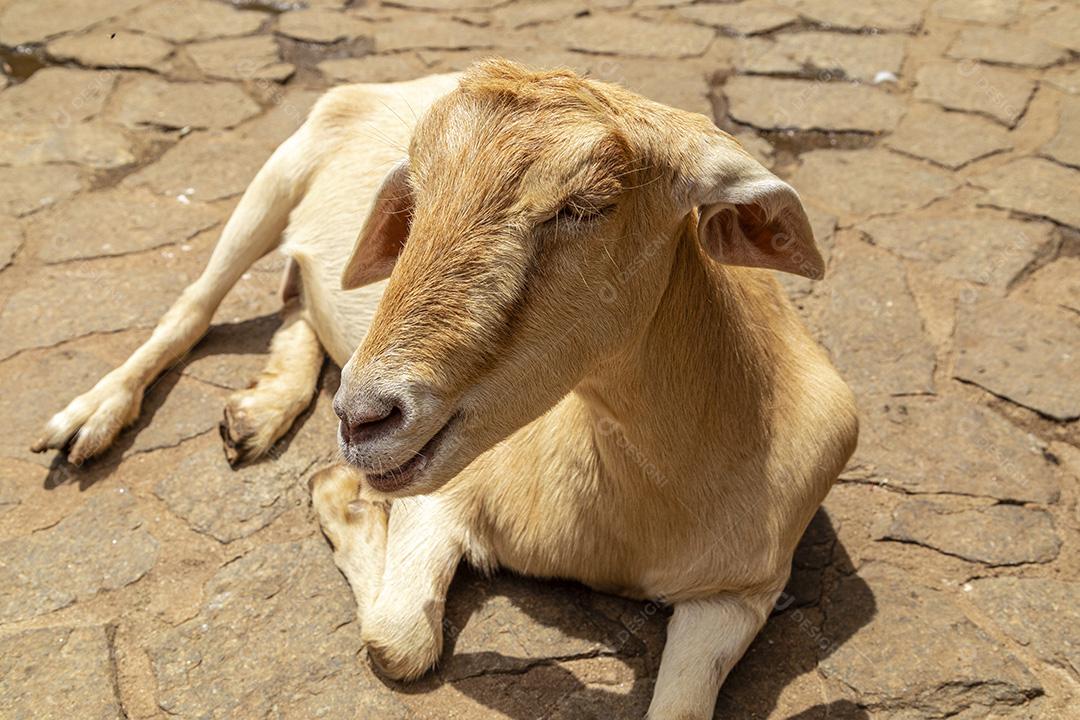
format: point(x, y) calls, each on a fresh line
point(937, 145)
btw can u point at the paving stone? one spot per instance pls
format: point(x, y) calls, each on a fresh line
point(868, 15)
point(652, 78)
point(450, 4)
point(1005, 47)
point(871, 324)
point(945, 445)
point(110, 295)
point(433, 32)
point(990, 12)
point(183, 21)
point(869, 182)
point(176, 409)
point(1060, 25)
point(775, 103)
point(635, 37)
point(204, 166)
point(518, 15)
point(1039, 613)
point(951, 139)
point(108, 48)
point(45, 673)
point(321, 26)
point(276, 637)
point(374, 68)
point(114, 222)
point(1035, 187)
point(251, 58)
point(995, 535)
point(152, 101)
point(821, 55)
point(56, 95)
point(24, 190)
point(11, 239)
point(289, 109)
point(1065, 145)
point(1065, 78)
point(1024, 352)
point(917, 652)
point(229, 504)
point(102, 546)
point(1055, 284)
point(31, 21)
point(745, 18)
point(92, 144)
point(973, 87)
point(982, 248)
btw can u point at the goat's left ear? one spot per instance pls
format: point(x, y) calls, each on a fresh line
point(747, 215)
point(384, 232)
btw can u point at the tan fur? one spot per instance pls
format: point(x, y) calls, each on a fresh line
point(623, 410)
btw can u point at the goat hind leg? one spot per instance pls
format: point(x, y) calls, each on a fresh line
point(90, 422)
point(257, 417)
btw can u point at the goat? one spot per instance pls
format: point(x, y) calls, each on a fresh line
point(559, 337)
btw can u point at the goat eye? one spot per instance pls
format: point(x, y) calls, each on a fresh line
point(571, 214)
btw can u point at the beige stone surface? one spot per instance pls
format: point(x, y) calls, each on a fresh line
point(936, 581)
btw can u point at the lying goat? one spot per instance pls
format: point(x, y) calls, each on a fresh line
point(575, 365)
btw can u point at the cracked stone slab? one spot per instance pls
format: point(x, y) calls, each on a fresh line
point(1004, 47)
point(27, 189)
point(948, 138)
point(1033, 186)
point(276, 636)
point(45, 673)
point(1026, 353)
point(868, 15)
point(872, 326)
point(204, 166)
point(945, 445)
point(997, 535)
point(744, 18)
point(411, 32)
point(102, 546)
point(110, 48)
point(227, 504)
point(175, 409)
point(994, 251)
point(115, 222)
point(519, 15)
point(250, 58)
point(1060, 25)
point(506, 624)
point(821, 55)
point(622, 35)
point(153, 101)
point(183, 21)
point(869, 182)
point(321, 26)
point(778, 103)
point(110, 295)
point(57, 95)
point(917, 652)
point(31, 21)
point(975, 87)
point(1055, 284)
point(1039, 613)
point(1065, 145)
point(374, 68)
point(92, 144)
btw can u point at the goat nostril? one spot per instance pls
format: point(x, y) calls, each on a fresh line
point(365, 423)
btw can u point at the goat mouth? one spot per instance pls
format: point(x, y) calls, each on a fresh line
point(408, 472)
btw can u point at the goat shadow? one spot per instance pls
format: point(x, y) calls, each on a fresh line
point(505, 611)
point(248, 337)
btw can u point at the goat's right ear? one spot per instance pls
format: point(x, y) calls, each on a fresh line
point(384, 231)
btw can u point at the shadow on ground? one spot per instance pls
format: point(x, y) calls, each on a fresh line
point(524, 687)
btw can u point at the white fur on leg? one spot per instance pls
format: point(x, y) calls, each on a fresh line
point(257, 417)
point(705, 639)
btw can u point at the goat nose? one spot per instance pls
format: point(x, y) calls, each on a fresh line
point(364, 419)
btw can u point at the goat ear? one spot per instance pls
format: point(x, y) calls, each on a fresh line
point(747, 215)
point(384, 232)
